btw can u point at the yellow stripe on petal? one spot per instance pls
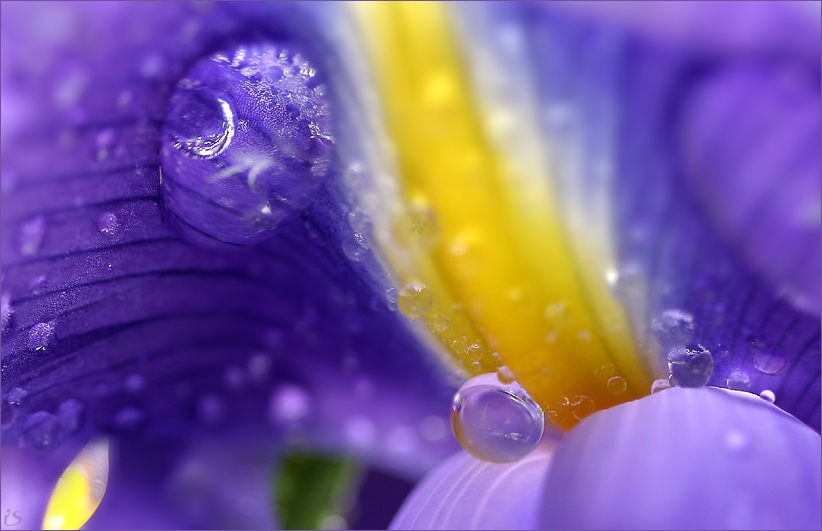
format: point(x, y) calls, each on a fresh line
point(494, 254)
point(80, 488)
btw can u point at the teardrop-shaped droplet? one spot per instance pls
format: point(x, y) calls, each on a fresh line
point(738, 381)
point(245, 146)
point(494, 421)
point(690, 366)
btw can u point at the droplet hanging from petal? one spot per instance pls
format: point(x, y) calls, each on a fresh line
point(496, 421)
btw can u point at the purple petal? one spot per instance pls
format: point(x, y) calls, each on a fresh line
point(686, 459)
point(112, 322)
point(466, 493)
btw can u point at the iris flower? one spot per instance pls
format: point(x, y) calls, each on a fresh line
point(230, 229)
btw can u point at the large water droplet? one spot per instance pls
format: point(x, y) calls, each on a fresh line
point(246, 145)
point(674, 327)
point(690, 366)
point(31, 235)
point(738, 381)
point(42, 337)
point(415, 300)
point(43, 431)
point(494, 421)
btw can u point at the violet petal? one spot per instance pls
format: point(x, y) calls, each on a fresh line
point(686, 459)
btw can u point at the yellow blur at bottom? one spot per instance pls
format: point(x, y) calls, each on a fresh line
point(80, 489)
point(505, 286)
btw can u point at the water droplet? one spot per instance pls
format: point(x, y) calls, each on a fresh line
point(417, 227)
point(42, 337)
point(129, 418)
point(359, 221)
point(43, 431)
point(660, 385)
point(6, 311)
point(415, 300)
point(475, 352)
point(690, 366)
point(360, 432)
point(439, 323)
point(433, 429)
point(17, 395)
point(211, 409)
point(582, 406)
point(71, 414)
point(31, 235)
point(460, 346)
point(233, 173)
point(674, 327)
point(108, 223)
point(768, 362)
point(259, 367)
point(768, 395)
point(355, 248)
point(289, 404)
point(584, 335)
point(617, 385)
point(105, 138)
point(401, 441)
point(392, 295)
point(134, 383)
point(234, 377)
point(494, 421)
point(738, 381)
point(555, 311)
point(505, 374)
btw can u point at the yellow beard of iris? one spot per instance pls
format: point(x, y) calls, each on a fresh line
point(500, 270)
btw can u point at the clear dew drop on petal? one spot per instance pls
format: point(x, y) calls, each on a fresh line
point(494, 421)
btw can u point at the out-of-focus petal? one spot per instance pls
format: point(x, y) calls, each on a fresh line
point(466, 493)
point(686, 459)
point(750, 146)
